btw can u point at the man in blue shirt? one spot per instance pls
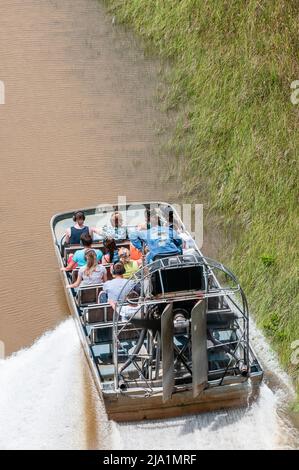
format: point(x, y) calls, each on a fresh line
point(117, 288)
point(160, 240)
point(79, 259)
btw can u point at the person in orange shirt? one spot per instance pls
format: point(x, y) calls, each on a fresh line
point(135, 254)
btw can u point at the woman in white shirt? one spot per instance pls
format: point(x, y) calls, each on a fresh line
point(92, 273)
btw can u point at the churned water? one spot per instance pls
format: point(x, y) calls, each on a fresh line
point(48, 401)
point(263, 425)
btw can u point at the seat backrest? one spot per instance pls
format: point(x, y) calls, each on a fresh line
point(178, 279)
point(103, 334)
point(224, 320)
point(98, 314)
point(74, 273)
point(165, 255)
point(217, 303)
point(88, 295)
point(123, 244)
point(69, 250)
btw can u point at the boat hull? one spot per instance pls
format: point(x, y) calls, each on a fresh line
point(124, 408)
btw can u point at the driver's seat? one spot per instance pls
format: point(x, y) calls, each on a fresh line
point(165, 255)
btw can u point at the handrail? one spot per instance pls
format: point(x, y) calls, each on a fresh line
point(178, 262)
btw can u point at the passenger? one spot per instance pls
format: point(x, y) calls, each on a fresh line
point(73, 234)
point(132, 309)
point(135, 254)
point(78, 259)
point(188, 241)
point(111, 251)
point(148, 215)
point(146, 224)
point(118, 287)
point(115, 229)
point(92, 273)
point(159, 240)
point(131, 266)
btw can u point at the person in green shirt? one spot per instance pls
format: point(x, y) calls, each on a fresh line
point(131, 266)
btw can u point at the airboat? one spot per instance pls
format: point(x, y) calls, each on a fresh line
point(184, 346)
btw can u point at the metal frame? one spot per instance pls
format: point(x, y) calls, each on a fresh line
point(217, 291)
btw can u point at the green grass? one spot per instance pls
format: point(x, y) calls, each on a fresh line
point(236, 140)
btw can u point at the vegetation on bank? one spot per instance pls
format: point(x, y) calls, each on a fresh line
point(236, 139)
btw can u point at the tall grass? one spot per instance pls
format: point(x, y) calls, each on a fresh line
point(236, 140)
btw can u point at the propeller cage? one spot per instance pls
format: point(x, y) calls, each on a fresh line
point(192, 337)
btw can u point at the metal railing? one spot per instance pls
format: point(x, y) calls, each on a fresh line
point(211, 290)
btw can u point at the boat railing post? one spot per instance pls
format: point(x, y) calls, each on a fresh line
point(115, 356)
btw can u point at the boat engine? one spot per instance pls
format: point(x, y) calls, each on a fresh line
point(180, 321)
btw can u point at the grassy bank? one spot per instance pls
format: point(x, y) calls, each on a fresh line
point(236, 139)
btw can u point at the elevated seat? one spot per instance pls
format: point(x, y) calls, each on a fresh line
point(166, 255)
point(185, 278)
point(101, 334)
point(88, 295)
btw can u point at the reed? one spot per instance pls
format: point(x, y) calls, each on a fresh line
point(235, 142)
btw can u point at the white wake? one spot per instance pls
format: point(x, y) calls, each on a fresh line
point(41, 394)
point(255, 428)
point(47, 401)
point(264, 425)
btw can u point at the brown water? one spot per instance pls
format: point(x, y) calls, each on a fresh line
point(79, 128)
